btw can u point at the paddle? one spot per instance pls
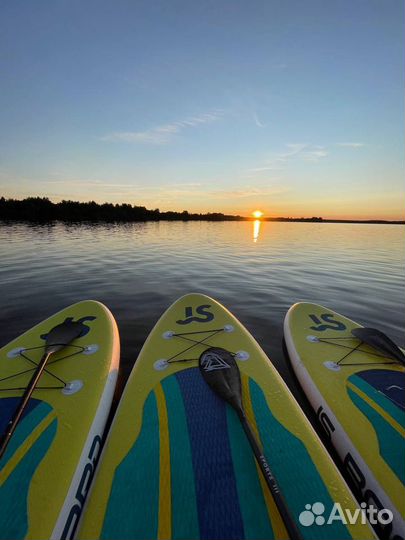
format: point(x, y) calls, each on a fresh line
point(377, 339)
point(221, 372)
point(60, 336)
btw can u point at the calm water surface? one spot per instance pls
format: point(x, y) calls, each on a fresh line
point(139, 269)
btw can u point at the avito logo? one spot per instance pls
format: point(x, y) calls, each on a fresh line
point(314, 513)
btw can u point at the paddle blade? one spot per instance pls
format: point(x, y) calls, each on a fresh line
point(377, 339)
point(221, 373)
point(62, 334)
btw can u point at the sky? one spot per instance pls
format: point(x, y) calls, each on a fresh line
point(294, 108)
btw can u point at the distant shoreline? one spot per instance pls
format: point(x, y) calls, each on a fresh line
point(312, 220)
point(41, 209)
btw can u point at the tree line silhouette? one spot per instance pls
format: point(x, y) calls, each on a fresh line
point(42, 209)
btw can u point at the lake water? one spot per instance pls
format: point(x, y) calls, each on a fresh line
point(139, 269)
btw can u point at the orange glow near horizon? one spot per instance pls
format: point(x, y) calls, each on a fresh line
point(375, 207)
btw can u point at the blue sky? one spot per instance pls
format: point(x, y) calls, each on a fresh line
point(292, 107)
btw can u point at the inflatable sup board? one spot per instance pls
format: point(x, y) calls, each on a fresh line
point(358, 394)
point(48, 455)
point(177, 463)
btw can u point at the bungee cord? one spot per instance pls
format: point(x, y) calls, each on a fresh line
point(195, 342)
point(331, 341)
point(23, 372)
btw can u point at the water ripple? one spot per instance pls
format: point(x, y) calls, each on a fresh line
point(139, 269)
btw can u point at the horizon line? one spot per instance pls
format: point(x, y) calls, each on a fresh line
point(184, 213)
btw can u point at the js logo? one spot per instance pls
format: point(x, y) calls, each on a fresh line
point(205, 315)
point(326, 318)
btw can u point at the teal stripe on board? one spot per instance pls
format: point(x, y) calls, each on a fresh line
point(133, 506)
point(25, 427)
point(394, 411)
point(294, 469)
point(184, 504)
point(14, 491)
point(392, 444)
point(256, 521)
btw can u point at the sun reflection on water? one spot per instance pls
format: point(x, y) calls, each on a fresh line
point(256, 229)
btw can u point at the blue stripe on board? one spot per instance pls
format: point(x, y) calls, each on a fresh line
point(9, 405)
point(219, 513)
point(390, 383)
point(31, 418)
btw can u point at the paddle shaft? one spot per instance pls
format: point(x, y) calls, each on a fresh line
point(292, 529)
point(12, 425)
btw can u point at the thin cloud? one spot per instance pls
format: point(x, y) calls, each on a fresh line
point(163, 134)
point(199, 191)
point(351, 144)
point(295, 148)
point(187, 184)
point(264, 168)
point(257, 121)
point(294, 151)
point(305, 152)
point(79, 182)
point(315, 154)
point(249, 191)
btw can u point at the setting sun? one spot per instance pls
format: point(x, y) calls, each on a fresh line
point(257, 214)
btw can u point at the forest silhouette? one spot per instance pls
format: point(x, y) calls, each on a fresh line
point(43, 209)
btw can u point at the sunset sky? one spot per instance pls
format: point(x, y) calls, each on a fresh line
point(294, 108)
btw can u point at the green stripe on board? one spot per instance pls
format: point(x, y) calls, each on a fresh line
point(296, 473)
point(184, 504)
point(132, 511)
point(386, 404)
point(14, 491)
point(392, 444)
point(256, 521)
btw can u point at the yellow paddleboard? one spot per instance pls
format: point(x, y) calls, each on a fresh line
point(177, 464)
point(48, 463)
point(358, 395)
